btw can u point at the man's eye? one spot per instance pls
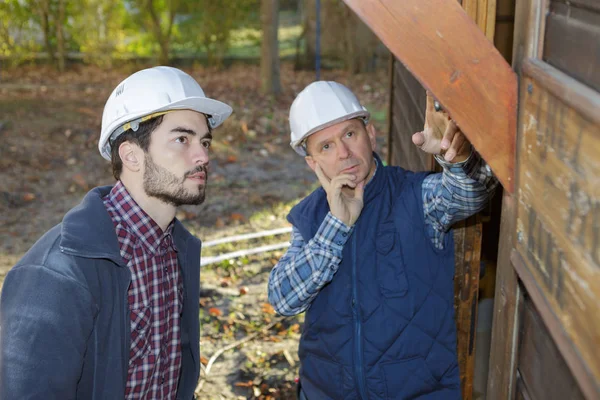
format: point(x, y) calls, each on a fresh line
point(349, 134)
point(181, 139)
point(207, 144)
point(326, 147)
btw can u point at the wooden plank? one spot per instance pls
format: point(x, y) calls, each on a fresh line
point(502, 370)
point(558, 215)
point(541, 365)
point(521, 393)
point(467, 239)
point(468, 76)
point(407, 117)
point(557, 332)
point(571, 44)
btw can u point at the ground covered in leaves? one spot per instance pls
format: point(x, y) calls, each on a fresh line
point(49, 128)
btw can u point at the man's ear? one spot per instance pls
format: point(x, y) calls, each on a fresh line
point(372, 135)
point(311, 162)
point(131, 156)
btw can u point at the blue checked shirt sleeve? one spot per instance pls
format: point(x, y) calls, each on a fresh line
point(461, 190)
point(307, 266)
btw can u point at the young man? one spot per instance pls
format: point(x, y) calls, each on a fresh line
point(105, 305)
point(371, 259)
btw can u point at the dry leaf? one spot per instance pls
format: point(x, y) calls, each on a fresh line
point(244, 290)
point(237, 217)
point(203, 360)
point(215, 312)
point(219, 223)
point(231, 158)
point(268, 309)
point(28, 197)
point(244, 384)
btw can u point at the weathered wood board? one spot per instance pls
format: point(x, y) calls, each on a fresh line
point(558, 216)
point(450, 56)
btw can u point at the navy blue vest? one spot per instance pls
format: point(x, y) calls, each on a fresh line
point(384, 327)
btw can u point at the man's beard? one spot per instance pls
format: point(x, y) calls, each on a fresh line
point(166, 186)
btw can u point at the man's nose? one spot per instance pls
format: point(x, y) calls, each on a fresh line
point(200, 154)
point(343, 150)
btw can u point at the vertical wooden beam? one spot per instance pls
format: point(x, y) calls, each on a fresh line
point(502, 367)
point(502, 378)
point(467, 249)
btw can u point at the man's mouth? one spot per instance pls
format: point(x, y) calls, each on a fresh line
point(350, 169)
point(199, 177)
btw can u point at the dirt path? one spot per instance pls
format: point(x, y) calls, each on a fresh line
point(49, 127)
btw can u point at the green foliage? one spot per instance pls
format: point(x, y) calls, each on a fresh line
point(99, 29)
point(208, 25)
point(17, 31)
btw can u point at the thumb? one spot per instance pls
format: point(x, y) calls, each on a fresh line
point(418, 139)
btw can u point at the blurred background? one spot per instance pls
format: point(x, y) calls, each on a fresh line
point(59, 61)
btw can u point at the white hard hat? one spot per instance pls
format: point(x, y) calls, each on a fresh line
point(320, 105)
point(151, 92)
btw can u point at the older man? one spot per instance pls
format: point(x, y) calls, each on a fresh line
point(371, 259)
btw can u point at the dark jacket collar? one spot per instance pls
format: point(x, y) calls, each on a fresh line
point(88, 231)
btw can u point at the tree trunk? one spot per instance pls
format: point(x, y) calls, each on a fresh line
point(60, 38)
point(269, 60)
point(306, 59)
point(44, 13)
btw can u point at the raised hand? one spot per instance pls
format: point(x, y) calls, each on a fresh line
point(346, 208)
point(441, 135)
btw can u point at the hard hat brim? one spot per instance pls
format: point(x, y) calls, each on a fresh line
point(216, 111)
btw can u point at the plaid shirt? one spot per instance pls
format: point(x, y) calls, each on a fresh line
point(461, 190)
point(155, 298)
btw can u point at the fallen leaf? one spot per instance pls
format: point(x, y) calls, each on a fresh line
point(28, 197)
point(237, 217)
point(268, 309)
point(215, 312)
point(231, 158)
point(244, 126)
point(244, 384)
point(244, 290)
point(203, 360)
point(220, 223)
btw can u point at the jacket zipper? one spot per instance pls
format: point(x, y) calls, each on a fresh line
point(359, 354)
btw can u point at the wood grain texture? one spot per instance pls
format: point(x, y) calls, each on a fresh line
point(503, 352)
point(541, 365)
point(571, 42)
point(558, 217)
point(445, 50)
point(563, 345)
point(467, 250)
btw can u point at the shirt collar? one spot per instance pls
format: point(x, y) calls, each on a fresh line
point(137, 222)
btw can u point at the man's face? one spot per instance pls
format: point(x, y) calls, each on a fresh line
point(175, 165)
point(344, 148)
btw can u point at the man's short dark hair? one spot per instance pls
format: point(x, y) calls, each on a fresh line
point(141, 137)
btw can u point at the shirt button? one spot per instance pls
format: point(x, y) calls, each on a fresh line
point(339, 242)
point(344, 234)
point(166, 269)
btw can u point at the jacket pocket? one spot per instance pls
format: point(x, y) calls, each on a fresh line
point(408, 379)
point(141, 334)
point(391, 272)
point(319, 374)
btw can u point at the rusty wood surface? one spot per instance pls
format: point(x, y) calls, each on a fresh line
point(569, 354)
point(558, 213)
point(445, 50)
point(467, 239)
